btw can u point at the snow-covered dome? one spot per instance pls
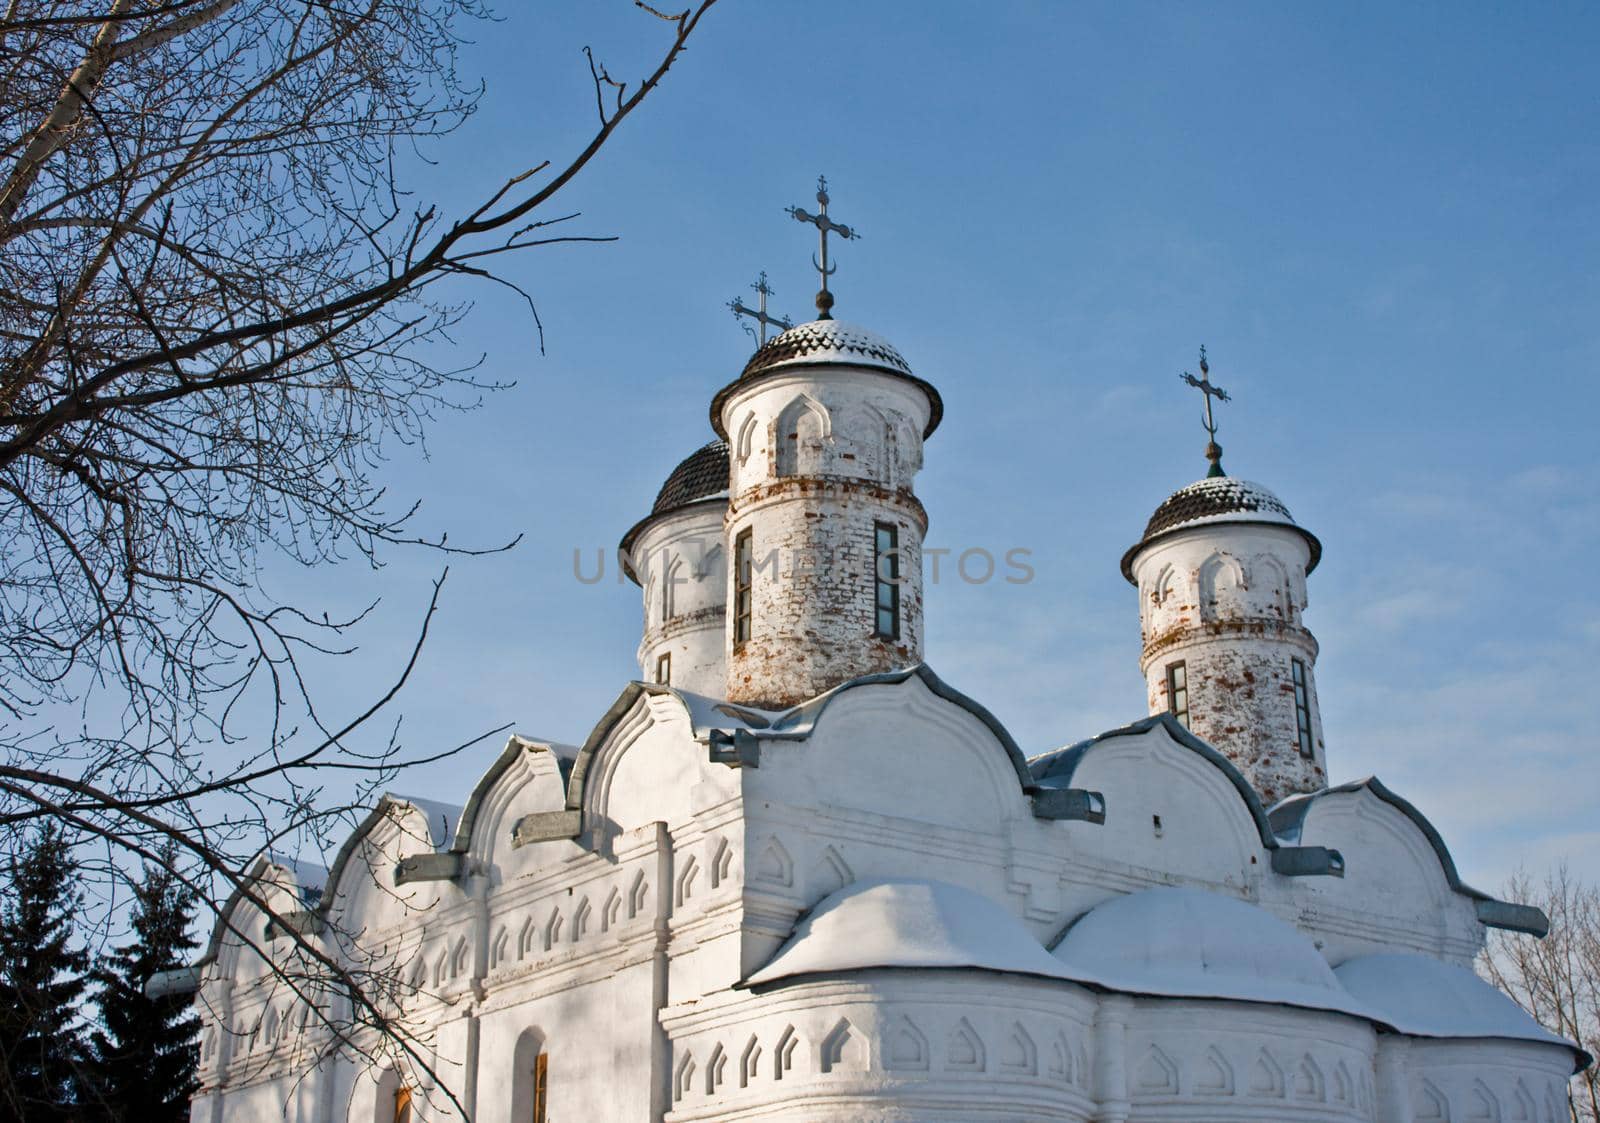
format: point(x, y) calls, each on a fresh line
point(1424, 997)
point(826, 341)
point(1218, 499)
point(1194, 944)
point(907, 923)
point(823, 343)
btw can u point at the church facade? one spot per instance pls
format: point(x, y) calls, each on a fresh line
point(793, 874)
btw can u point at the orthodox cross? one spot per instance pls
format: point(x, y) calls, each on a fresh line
point(759, 312)
point(1206, 387)
point(825, 226)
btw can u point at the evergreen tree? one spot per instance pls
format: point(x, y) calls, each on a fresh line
point(144, 1055)
point(41, 980)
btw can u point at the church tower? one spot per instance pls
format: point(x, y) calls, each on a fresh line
point(1221, 573)
point(675, 556)
point(823, 533)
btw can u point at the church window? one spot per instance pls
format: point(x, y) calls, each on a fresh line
point(664, 668)
point(886, 572)
point(541, 1085)
point(742, 565)
point(402, 1106)
point(1178, 692)
point(1302, 707)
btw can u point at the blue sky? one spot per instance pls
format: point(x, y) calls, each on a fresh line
point(1380, 219)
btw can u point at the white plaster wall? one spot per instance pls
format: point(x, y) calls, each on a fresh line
point(1393, 896)
point(818, 456)
point(683, 574)
point(1221, 1062)
point(1227, 599)
point(1481, 1081)
point(886, 1045)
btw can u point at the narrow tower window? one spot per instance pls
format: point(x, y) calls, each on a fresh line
point(1302, 707)
point(402, 1105)
point(664, 668)
point(742, 561)
point(541, 1077)
point(1178, 692)
point(886, 574)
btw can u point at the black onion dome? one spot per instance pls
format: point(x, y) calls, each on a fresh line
point(824, 342)
point(700, 477)
point(701, 474)
point(1218, 499)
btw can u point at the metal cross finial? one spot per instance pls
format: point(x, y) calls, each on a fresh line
point(824, 225)
point(759, 312)
point(1205, 386)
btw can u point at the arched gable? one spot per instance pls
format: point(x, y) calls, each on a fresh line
point(528, 778)
point(707, 721)
point(868, 742)
point(1391, 842)
point(800, 721)
point(1060, 768)
point(1173, 802)
point(613, 789)
point(362, 893)
point(288, 889)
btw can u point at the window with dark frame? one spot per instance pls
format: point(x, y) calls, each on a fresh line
point(886, 579)
point(1178, 692)
point(1302, 708)
point(742, 565)
point(664, 668)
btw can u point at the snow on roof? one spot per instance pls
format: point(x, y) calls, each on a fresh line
point(1189, 943)
point(310, 877)
point(707, 713)
point(826, 341)
point(904, 923)
point(1425, 997)
point(1165, 942)
point(442, 817)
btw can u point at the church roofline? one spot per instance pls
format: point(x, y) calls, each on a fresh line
point(799, 721)
point(256, 871)
point(1288, 818)
point(516, 745)
point(794, 724)
point(1057, 766)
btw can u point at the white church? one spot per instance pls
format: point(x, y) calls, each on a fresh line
point(793, 874)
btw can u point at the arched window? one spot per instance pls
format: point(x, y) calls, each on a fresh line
point(530, 1083)
point(402, 1105)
